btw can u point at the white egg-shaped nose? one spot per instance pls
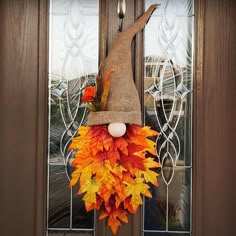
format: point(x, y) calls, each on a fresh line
point(117, 129)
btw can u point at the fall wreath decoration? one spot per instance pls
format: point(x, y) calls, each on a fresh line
point(114, 162)
point(114, 172)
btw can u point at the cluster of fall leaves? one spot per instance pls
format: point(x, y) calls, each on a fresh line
point(113, 173)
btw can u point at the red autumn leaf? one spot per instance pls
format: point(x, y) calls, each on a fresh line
point(132, 162)
point(121, 144)
point(133, 148)
point(100, 139)
point(89, 94)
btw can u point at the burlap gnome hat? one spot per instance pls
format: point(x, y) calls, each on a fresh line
point(123, 105)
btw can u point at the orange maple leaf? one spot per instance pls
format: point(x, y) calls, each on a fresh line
point(130, 207)
point(98, 161)
point(82, 158)
point(115, 216)
point(113, 155)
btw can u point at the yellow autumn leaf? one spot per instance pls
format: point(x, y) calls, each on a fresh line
point(75, 176)
point(135, 190)
point(151, 147)
point(86, 174)
point(118, 170)
point(149, 132)
point(150, 163)
point(91, 188)
point(83, 130)
point(105, 176)
point(150, 176)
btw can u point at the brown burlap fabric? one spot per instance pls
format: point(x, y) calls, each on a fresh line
point(123, 103)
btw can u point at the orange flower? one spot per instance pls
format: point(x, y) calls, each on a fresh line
point(113, 173)
point(89, 94)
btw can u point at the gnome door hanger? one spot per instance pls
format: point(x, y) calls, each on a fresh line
point(114, 161)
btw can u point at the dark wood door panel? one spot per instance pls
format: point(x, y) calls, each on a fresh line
point(219, 93)
point(19, 123)
point(19, 66)
point(215, 106)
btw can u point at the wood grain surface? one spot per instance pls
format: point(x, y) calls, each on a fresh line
point(215, 121)
point(19, 30)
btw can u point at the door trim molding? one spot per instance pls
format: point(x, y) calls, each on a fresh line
point(198, 124)
point(42, 120)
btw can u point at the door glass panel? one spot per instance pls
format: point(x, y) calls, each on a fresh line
point(73, 63)
point(168, 84)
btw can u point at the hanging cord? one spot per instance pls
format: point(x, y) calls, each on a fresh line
point(121, 9)
point(120, 27)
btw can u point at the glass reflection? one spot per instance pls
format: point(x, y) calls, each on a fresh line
point(73, 63)
point(168, 83)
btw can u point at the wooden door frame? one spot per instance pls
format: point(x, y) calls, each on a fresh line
point(214, 118)
point(42, 122)
point(198, 129)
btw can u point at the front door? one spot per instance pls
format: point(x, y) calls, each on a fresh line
point(195, 196)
